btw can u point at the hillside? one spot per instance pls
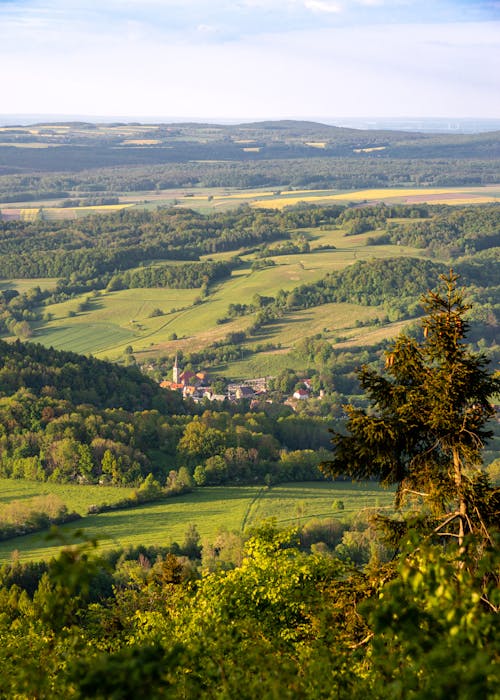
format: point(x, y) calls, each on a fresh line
point(66, 161)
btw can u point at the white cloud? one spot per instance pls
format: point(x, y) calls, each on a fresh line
point(206, 66)
point(323, 6)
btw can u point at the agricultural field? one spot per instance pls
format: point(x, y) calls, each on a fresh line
point(206, 200)
point(270, 362)
point(211, 509)
point(115, 320)
point(430, 195)
point(215, 199)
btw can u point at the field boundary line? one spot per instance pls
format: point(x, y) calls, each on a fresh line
point(254, 500)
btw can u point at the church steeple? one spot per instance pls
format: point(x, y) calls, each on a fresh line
point(175, 371)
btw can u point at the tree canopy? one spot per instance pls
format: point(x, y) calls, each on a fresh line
point(427, 423)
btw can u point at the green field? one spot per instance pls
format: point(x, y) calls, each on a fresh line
point(210, 509)
point(115, 320)
point(77, 497)
point(23, 285)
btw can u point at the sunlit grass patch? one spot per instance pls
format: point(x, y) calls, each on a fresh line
point(211, 509)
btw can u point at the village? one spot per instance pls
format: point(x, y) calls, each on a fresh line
point(196, 386)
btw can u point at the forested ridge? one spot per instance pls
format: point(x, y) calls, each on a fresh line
point(343, 173)
point(122, 240)
point(82, 146)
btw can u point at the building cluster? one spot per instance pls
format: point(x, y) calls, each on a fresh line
point(194, 385)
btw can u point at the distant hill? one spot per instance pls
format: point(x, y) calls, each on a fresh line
point(74, 146)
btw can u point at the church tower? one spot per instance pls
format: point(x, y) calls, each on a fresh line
point(175, 372)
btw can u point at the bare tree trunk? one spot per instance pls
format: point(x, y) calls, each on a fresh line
point(462, 505)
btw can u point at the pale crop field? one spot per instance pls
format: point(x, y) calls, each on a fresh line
point(141, 142)
point(37, 144)
point(450, 195)
point(57, 213)
point(29, 214)
point(244, 195)
point(211, 509)
point(369, 150)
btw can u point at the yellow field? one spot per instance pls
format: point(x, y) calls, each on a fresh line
point(141, 142)
point(316, 144)
point(361, 195)
point(29, 145)
point(281, 202)
point(447, 195)
point(71, 212)
point(104, 207)
point(28, 214)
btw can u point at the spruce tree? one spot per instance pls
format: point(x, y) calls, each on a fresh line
point(426, 426)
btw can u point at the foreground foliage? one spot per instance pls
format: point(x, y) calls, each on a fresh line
point(283, 624)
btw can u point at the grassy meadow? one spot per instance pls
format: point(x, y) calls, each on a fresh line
point(23, 285)
point(77, 497)
point(115, 320)
point(211, 509)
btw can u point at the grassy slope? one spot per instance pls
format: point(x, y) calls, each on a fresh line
point(118, 319)
point(78, 498)
point(211, 509)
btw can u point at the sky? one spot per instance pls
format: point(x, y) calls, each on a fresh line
point(251, 59)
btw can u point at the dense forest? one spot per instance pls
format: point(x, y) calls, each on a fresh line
point(69, 418)
point(100, 244)
point(319, 172)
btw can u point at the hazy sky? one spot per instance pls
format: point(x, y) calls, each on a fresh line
point(251, 58)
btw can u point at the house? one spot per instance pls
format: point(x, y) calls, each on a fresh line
point(301, 394)
point(244, 392)
point(173, 386)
